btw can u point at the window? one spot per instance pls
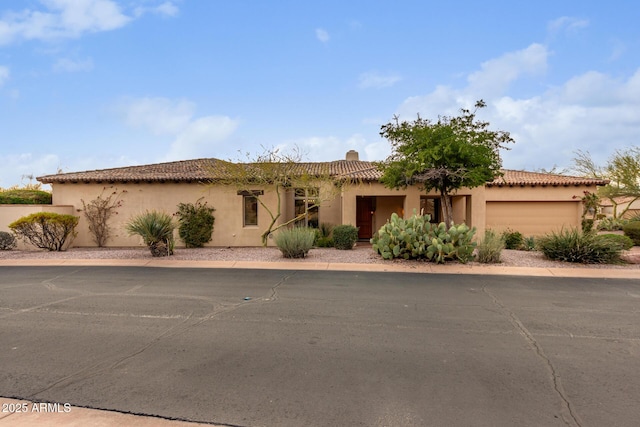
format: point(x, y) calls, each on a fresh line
point(431, 206)
point(250, 207)
point(305, 199)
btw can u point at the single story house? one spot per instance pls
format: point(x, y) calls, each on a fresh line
point(528, 202)
point(626, 206)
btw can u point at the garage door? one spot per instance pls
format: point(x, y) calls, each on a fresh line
point(532, 218)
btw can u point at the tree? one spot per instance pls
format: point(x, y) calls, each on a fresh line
point(446, 155)
point(622, 171)
point(278, 172)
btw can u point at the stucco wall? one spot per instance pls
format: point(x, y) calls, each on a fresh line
point(10, 213)
point(137, 198)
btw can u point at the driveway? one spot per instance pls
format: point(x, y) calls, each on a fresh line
point(291, 348)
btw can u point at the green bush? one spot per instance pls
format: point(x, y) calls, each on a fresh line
point(621, 241)
point(156, 229)
point(295, 242)
point(512, 239)
point(195, 223)
point(7, 241)
point(490, 248)
point(572, 245)
point(417, 238)
point(529, 244)
point(611, 224)
point(46, 230)
point(632, 230)
point(323, 236)
point(345, 236)
point(587, 225)
point(25, 197)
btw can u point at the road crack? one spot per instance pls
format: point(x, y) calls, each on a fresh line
point(569, 416)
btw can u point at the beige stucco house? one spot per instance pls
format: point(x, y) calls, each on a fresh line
point(528, 202)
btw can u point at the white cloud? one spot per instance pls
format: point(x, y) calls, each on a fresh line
point(322, 35)
point(160, 116)
point(201, 137)
point(497, 74)
point(70, 19)
point(591, 111)
point(72, 66)
point(567, 24)
point(167, 9)
point(328, 148)
point(376, 80)
point(4, 74)
point(192, 136)
point(19, 167)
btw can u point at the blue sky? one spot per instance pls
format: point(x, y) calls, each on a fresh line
point(92, 84)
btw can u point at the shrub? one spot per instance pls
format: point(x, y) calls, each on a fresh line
point(97, 212)
point(46, 230)
point(490, 248)
point(7, 241)
point(345, 236)
point(512, 239)
point(619, 240)
point(23, 196)
point(587, 225)
point(156, 229)
point(417, 238)
point(323, 236)
point(529, 244)
point(195, 223)
point(611, 224)
point(632, 230)
point(572, 245)
point(295, 242)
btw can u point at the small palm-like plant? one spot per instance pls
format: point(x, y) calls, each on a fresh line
point(156, 229)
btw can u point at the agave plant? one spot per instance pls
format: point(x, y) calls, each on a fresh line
point(156, 229)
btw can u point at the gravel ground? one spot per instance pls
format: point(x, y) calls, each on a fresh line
point(362, 254)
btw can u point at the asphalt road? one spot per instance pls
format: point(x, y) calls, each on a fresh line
point(293, 348)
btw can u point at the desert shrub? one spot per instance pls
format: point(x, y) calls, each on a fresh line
point(624, 242)
point(295, 242)
point(587, 225)
point(417, 238)
point(46, 230)
point(490, 248)
point(572, 245)
point(156, 229)
point(611, 224)
point(7, 241)
point(345, 236)
point(512, 239)
point(324, 237)
point(195, 223)
point(529, 244)
point(632, 230)
point(22, 196)
point(97, 213)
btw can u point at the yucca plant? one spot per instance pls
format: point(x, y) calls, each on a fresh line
point(156, 229)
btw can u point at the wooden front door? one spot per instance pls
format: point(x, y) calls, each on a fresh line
point(364, 217)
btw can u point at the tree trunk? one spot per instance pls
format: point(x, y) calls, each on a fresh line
point(447, 209)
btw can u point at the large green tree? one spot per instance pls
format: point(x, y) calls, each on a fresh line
point(445, 155)
point(622, 170)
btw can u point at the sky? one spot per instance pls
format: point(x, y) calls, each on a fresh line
point(94, 84)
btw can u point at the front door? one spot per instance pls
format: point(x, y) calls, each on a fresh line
point(364, 217)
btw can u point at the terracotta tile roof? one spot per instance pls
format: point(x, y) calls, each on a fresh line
point(523, 178)
point(203, 170)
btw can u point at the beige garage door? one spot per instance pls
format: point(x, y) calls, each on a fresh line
point(532, 218)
